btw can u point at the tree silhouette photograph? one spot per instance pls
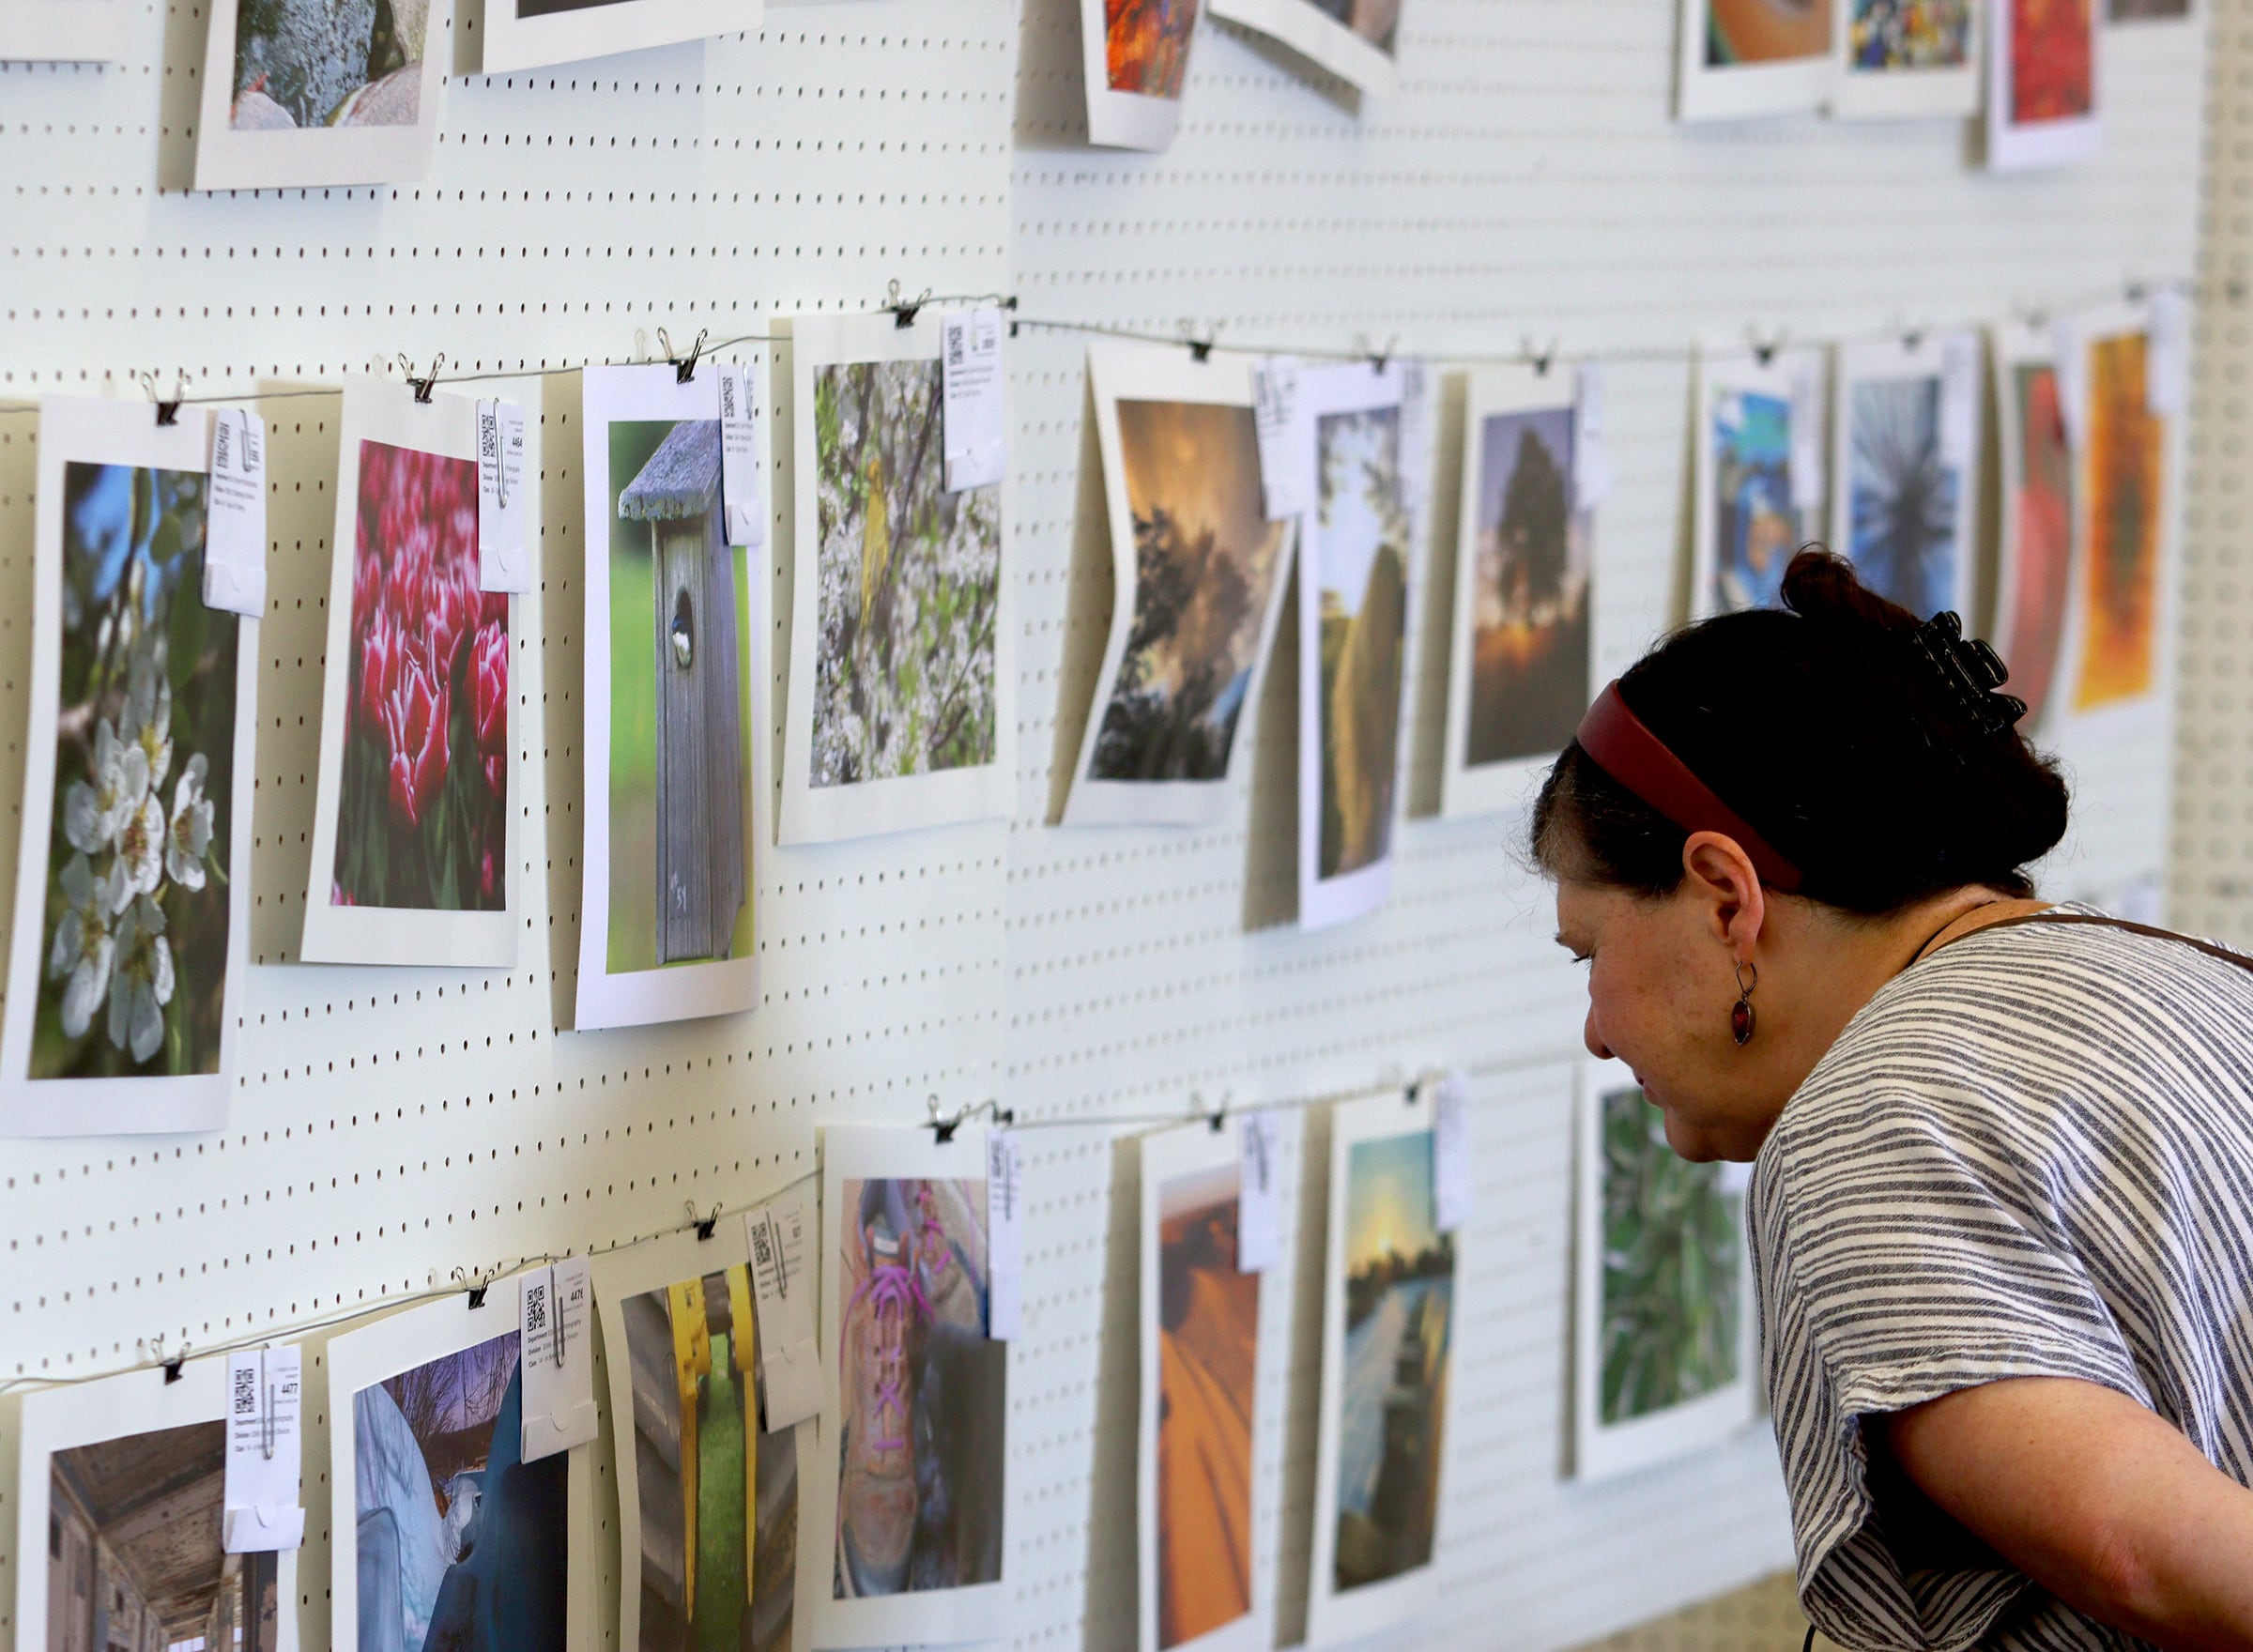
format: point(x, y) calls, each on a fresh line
point(1207, 565)
point(910, 583)
point(1530, 591)
point(1358, 562)
point(1902, 494)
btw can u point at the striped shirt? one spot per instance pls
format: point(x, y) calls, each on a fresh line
point(2029, 1155)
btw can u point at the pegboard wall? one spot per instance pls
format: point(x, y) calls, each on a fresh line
point(1526, 183)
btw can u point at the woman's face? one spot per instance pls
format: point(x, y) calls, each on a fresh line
point(1661, 980)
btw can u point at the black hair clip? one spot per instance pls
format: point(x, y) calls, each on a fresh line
point(1970, 671)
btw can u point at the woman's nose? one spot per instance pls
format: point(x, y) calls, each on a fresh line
point(1593, 1039)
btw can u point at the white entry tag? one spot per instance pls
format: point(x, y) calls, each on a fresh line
point(1807, 466)
point(1591, 462)
point(2073, 382)
point(264, 1449)
point(1259, 1231)
point(2166, 362)
point(1286, 436)
point(1005, 1238)
point(741, 489)
point(783, 1286)
point(1959, 400)
point(235, 529)
point(969, 357)
point(1451, 1168)
point(502, 562)
point(1415, 434)
point(558, 1359)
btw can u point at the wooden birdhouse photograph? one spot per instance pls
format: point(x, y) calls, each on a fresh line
point(677, 753)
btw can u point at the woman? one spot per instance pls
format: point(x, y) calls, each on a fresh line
point(2001, 1212)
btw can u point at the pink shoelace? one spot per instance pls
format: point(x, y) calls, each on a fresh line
point(891, 1290)
point(934, 1231)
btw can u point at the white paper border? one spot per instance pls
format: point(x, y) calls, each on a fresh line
point(1788, 86)
point(311, 157)
point(670, 992)
point(1320, 37)
point(974, 1612)
point(358, 1359)
point(1485, 788)
point(508, 42)
point(64, 31)
point(1718, 373)
point(2015, 147)
point(1126, 120)
point(380, 410)
point(75, 430)
point(85, 1414)
point(1349, 386)
point(1333, 1616)
point(2147, 714)
point(1605, 1450)
point(1149, 373)
point(1166, 1155)
point(1920, 357)
point(1905, 94)
point(906, 803)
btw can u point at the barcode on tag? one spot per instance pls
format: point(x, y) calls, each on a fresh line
point(1005, 1245)
point(1259, 1229)
point(246, 1392)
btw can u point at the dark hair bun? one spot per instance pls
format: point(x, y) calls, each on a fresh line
point(1823, 589)
point(1829, 728)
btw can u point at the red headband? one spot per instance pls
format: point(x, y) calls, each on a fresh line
point(1618, 742)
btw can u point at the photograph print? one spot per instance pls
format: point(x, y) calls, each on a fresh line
point(1353, 637)
point(1388, 1337)
point(1136, 57)
point(2035, 570)
point(1357, 40)
point(1199, 1361)
point(1663, 1305)
point(707, 1502)
point(2147, 10)
point(1906, 58)
point(2042, 72)
point(458, 1542)
point(121, 1518)
point(1907, 466)
point(900, 712)
point(673, 793)
point(130, 920)
point(915, 1426)
point(531, 34)
point(1198, 580)
point(313, 92)
point(413, 855)
point(2123, 598)
point(1747, 526)
point(1746, 58)
point(1519, 675)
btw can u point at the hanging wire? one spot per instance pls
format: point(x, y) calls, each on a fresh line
point(1207, 343)
point(475, 1283)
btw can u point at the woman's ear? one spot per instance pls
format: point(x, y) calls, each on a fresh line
point(1718, 873)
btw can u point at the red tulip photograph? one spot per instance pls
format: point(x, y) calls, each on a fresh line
point(422, 812)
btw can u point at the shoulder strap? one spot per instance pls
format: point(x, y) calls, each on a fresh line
point(2100, 921)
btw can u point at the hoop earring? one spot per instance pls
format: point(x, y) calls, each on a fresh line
point(1741, 1013)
